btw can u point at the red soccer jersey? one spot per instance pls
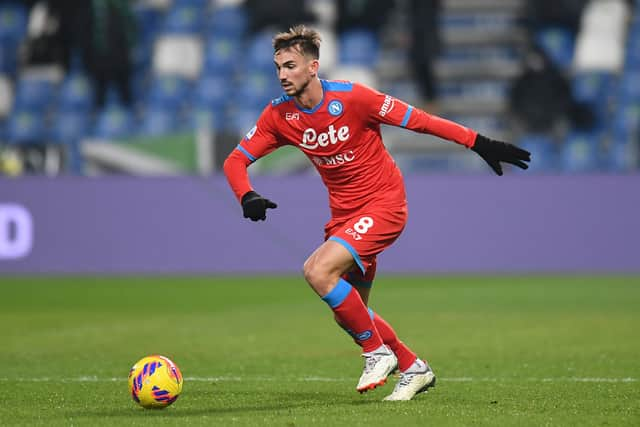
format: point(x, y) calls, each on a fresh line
point(341, 137)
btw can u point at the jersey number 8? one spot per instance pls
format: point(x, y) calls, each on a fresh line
point(363, 225)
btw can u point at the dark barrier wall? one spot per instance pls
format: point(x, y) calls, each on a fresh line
point(465, 224)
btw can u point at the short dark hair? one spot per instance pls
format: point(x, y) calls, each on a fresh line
point(307, 41)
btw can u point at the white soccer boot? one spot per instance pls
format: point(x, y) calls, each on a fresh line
point(378, 364)
point(417, 379)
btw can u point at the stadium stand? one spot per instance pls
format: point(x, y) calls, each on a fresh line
point(113, 122)
point(197, 65)
point(6, 100)
point(25, 126)
point(546, 151)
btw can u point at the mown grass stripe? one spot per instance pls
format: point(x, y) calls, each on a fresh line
point(327, 379)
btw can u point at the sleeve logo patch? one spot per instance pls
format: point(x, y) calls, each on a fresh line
point(387, 106)
point(251, 133)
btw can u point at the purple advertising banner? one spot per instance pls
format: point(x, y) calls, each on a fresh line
point(189, 225)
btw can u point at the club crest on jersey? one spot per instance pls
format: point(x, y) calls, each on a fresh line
point(251, 133)
point(335, 108)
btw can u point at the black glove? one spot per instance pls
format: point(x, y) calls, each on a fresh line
point(254, 206)
point(494, 152)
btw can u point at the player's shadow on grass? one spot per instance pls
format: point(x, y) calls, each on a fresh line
point(214, 404)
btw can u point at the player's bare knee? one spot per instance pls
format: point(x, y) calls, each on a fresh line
point(319, 276)
point(311, 272)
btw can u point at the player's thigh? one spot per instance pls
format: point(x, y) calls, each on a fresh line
point(368, 234)
point(327, 263)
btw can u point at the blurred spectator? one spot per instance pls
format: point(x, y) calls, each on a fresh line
point(44, 44)
point(541, 98)
point(425, 44)
point(72, 16)
point(277, 14)
point(554, 13)
point(362, 14)
point(110, 33)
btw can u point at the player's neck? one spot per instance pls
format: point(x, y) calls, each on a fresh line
point(311, 96)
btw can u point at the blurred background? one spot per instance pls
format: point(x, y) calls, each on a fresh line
point(166, 87)
point(115, 118)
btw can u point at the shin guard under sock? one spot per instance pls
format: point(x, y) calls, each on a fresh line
point(353, 315)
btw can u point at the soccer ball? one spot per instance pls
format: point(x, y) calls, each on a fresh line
point(155, 382)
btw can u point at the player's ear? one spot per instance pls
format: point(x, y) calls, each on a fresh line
point(314, 65)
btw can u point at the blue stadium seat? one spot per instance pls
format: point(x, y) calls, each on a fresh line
point(624, 131)
point(8, 56)
point(596, 89)
point(259, 54)
point(358, 47)
point(3, 131)
point(25, 126)
point(629, 86)
point(242, 120)
point(220, 55)
point(228, 21)
point(142, 52)
point(419, 163)
point(200, 4)
point(623, 153)
point(558, 44)
point(148, 23)
point(75, 93)
point(184, 20)
point(481, 90)
point(34, 93)
point(147, 18)
point(581, 152)
point(478, 22)
point(257, 90)
point(632, 51)
point(140, 83)
point(471, 55)
point(13, 20)
point(407, 90)
point(544, 152)
point(203, 117)
point(487, 124)
point(627, 116)
point(212, 91)
point(69, 126)
point(113, 123)
point(593, 87)
point(168, 92)
point(158, 121)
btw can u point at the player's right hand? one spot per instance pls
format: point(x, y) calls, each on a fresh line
point(254, 206)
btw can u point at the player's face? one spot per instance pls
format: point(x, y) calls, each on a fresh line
point(295, 71)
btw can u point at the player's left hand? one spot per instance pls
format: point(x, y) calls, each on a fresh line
point(493, 152)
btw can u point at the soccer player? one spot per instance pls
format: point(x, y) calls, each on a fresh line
point(336, 124)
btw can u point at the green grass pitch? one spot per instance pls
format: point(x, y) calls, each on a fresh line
point(519, 351)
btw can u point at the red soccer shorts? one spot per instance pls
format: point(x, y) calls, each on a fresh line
point(368, 233)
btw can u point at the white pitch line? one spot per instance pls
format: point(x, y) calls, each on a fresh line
point(84, 379)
